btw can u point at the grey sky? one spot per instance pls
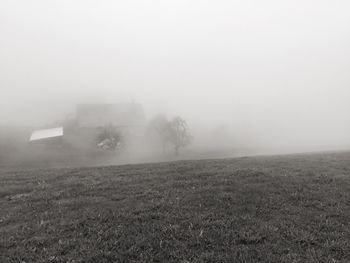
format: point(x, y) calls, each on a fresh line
point(278, 68)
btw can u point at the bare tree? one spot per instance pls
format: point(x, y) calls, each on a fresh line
point(174, 132)
point(178, 134)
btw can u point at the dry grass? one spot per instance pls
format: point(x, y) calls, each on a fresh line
point(263, 209)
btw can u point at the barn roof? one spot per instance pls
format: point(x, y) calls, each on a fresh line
point(46, 134)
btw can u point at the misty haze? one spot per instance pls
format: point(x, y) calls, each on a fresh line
point(174, 131)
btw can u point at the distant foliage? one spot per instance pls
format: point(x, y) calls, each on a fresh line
point(159, 126)
point(109, 138)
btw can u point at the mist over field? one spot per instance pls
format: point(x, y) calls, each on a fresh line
point(174, 131)
point(268, 76)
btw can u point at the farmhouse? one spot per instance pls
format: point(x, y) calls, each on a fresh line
point(126, 118)
point(93, 120)
point(129, 115)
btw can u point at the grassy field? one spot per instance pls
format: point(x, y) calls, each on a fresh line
point(259, 209)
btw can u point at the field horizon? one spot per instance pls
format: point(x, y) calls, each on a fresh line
point(286, 208)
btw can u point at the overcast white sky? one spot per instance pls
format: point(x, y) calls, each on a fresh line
point(280, 69)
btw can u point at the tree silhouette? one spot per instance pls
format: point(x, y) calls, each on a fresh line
point(178, 134)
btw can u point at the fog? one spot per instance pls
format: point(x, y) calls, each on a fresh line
point(274, 73)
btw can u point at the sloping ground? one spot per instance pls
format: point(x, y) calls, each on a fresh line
point(263, 209)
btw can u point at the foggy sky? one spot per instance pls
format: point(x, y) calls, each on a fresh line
point(277, 72)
